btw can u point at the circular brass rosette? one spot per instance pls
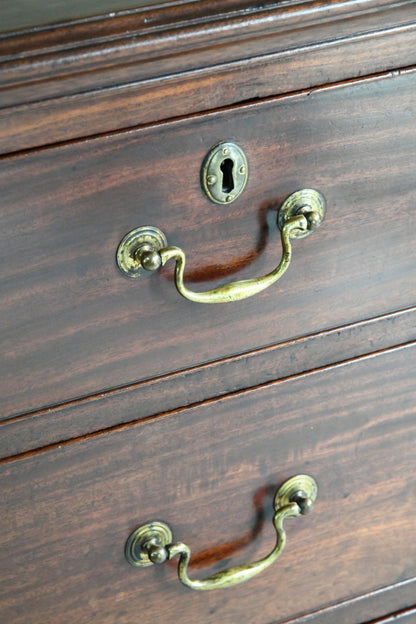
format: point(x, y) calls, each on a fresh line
point(129, 248)
point(155, 532)
point(301, 486)
point(307, 202)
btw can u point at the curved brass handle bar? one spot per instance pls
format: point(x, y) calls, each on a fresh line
point(143, 250)
point(237, 574)
point(152, 543)
point(235, 291)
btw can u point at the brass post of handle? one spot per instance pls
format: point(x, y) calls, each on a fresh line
point(152, 543)
point(144, 250)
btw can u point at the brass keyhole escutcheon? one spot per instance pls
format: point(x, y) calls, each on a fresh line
point(224, 173)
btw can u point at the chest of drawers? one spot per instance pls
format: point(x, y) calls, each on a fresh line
point(124, 403)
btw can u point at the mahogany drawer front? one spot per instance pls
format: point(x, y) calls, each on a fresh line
point(208, 471)
point(213, 380)
point(73, 325)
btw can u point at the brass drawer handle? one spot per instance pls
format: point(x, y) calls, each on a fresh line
point(151, 543)
point(144, 250)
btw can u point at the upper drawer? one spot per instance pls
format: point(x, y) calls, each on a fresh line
point(73, 325)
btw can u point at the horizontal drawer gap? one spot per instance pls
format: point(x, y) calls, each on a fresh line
point(350, 336)
point(229, 396)
point(354, 609)
point(396, 617)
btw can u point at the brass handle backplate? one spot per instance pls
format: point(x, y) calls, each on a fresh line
point(152, 543)
point(145, 249)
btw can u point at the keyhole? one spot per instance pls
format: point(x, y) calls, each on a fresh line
point(227, 175)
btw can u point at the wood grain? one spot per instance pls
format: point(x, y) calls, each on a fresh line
point(205, 381)
point(368, 606)
point(212, 31)
point(122, 402)
point(209, 472)
point(101, 75)
point(407, 616)
point(73, 326)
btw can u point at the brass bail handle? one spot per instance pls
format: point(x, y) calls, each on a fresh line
point(152, 543)
point(144, 250)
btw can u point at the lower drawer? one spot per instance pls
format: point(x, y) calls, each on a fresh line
point(209, 472)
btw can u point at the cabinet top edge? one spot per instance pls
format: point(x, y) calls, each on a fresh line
point(50, 31)
point(22, 17)
point(60, 81)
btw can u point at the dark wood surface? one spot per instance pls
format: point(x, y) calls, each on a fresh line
point(122, 402)
point(408, 616)
point(95, 76)
point(367, 608)
point(209, 472)
point(73, 325)
point(195, 385)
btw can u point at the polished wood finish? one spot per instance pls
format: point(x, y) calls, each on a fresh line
point(123, 70)
point(76, 326)
point(123, 402)
point(367, 607)
point(209, 471)
point(194, 385)
point(408, 616)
